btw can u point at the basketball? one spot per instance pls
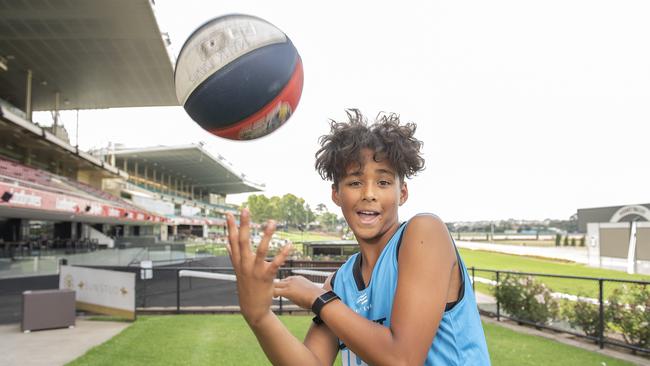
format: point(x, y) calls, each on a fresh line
point(239, 77)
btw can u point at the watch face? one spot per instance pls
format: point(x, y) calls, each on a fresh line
point(322, 300)
point(328, 296)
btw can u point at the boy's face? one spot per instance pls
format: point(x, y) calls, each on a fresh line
point(369, 197)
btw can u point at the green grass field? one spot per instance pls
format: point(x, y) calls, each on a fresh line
point(299, 237)
point(296, 237)
point(226, 340)
point(212, 249)
point(530, 243)
point(508, 262)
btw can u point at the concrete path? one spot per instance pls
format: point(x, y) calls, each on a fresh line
point(482, 298)
point(56, 346)
point(574, 254)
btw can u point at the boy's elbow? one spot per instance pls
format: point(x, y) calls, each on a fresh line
point(407, 361)
point(406, 358)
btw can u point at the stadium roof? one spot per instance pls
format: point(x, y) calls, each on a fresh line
point(193, 164)
point(21, 140)
point(95, 53)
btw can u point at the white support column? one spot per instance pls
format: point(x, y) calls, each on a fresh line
point(631, 252)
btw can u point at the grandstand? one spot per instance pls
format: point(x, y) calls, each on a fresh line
point(184, 183)
point(54, 196)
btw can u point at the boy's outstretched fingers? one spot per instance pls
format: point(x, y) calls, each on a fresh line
point(245, 234)
point(279, 259)
point(233, 239)
point(263, 248)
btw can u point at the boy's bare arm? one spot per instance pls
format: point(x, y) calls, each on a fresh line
point(282, 348)
point(426, 260)
point(255, 290)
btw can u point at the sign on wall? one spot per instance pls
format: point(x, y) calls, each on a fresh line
point(101, 291)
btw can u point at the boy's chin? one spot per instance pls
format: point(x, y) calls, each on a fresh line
point(366, 234)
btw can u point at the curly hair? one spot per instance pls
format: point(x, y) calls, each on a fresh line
point(387, 137)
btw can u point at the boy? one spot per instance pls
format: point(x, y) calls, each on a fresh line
point(404, 299)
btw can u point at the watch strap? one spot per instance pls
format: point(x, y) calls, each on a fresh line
point(323, 300)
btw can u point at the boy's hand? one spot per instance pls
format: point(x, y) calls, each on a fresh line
point(299, 290)
point(254, 275)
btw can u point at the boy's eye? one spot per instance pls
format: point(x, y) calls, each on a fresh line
point(354, 183)
point(384, 183)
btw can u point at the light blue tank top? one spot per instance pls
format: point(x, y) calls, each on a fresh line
point(459, 340)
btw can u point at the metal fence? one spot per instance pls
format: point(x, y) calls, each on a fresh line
point(601, 339)
point(166, 291)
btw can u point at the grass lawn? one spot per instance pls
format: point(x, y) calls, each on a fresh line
point(508, 262)
point(508, 347)
point(226, 340)
point(299, 237)
point(213, 249)
point(296, 237)
point(530, 243)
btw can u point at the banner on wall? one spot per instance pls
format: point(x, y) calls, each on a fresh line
point(101, 291)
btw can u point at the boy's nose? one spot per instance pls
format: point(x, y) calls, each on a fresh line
point(369, 193)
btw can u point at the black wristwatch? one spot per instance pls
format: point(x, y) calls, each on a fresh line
point(321, 301)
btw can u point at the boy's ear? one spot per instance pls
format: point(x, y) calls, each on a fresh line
point(403, 193)
point(335, 195)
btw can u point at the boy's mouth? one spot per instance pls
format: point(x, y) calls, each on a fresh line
point(367, 217)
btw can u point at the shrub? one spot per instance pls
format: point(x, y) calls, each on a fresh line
point(584, 315)
point(582, 241)
point(526, 299)
point(566, 241)
point(573, 242)
point(629, 310)
point(558, 240)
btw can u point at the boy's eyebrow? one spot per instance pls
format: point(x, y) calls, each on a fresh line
point(358, 173)
point(384, 171)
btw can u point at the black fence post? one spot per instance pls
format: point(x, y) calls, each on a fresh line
point(498, 305)
point(281, 276)
point(178, 291)
point(473, 281)
point(601, 315)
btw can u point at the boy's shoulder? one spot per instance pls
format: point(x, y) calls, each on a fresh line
point(424, 218)
point(426, 226)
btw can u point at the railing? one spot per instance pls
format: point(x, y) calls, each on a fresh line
point(600, 339)
point(282, 273)
point(170, 293)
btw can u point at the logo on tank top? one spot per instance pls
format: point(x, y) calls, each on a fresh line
point(348, 358)
point(362, 305)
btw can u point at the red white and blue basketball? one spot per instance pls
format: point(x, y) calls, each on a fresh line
point(239, 77)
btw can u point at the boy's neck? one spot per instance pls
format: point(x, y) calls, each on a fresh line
point(371, 250)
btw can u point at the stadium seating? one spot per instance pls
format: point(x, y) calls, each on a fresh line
point(41, 179)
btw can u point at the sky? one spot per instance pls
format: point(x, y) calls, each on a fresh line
point(527, 110)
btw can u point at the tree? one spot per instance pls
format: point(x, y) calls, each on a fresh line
point(328, 220)
point(320, 208)
point(288, 209)
point(310, 216)
point(275, 207)
point(259, 206)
